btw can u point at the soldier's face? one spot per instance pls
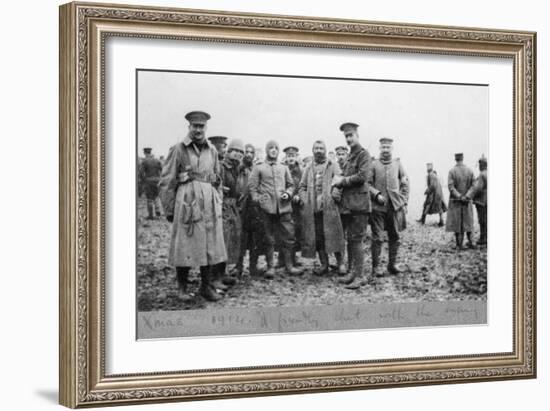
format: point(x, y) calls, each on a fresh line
point(236, 155)
point(342, 156)
point(352, 138)
point(249, 153)
point(291, 159)
point(221, 148)
point(429, 167)
point(273, 152)
point(197, 131)
point(319, 151)
point(386, 148)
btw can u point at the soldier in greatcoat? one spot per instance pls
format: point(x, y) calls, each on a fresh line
point(478, 193)
point(355, 204)
point(232, 186)
point(389, 187)
point(271, 186)
point(434, 203)
point(323, 231)
point(191, 196)
point(252, 237)
point(460, 213)
point(150, 169)
point(293, 164)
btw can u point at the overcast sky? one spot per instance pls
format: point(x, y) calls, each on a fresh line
point(428, 122)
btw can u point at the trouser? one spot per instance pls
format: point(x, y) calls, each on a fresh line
point(154, 206)
point(355, 227)
point(482, 219)
point(319, 232)
point(279, 226)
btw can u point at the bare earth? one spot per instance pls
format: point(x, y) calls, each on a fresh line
point(433, 271)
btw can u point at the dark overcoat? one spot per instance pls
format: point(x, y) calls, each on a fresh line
point(434, 203)
point(332, 223)
point(232, 181)
point(267, 182)
point(355, 187)
point(460, 213)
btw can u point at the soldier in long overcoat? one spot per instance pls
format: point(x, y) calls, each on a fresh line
point(150, 169)
point(191, 196)
point(460, 213)
point(434, 203)
point(389, 187)
point(296, 172)
point(355, 204)
point(478, 193)
point(323, 231)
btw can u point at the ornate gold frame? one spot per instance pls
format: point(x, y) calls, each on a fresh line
point(83, 30)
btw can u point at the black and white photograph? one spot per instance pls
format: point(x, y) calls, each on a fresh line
point(276, 203)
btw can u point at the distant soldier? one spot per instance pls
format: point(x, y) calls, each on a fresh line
point(232, 185)
point(271, 187)
point(323, 231)
point(478, 192)
point(220, 142)
point(341, 156)
point(150, 170)
point(252, 237)
point(355, 204)
point(389, 187)
point(293, 165)
point(434, 203)
point(190, 191)
point(460, 213)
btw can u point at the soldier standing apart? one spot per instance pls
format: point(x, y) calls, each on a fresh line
point(434, 203)
point(271, 187)
point(149, 175)
point(478, 192)
point(460, 214)
point(389, 187)
point(252, 237)
point(191, 196)
point(232, 184)
point(296, 173)
point(355, 203)
point(323, 231)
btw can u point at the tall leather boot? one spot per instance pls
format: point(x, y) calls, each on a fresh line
point(207, 290)
point(280, 263)
point(239, 267)
point(290, 269)
point(269, 256)
point(376, 249)
point(340, 263)
point(253, 264)
point(392, 267)
point(350, 276)
point(422, 220)
point(357, 271)
point(182, 274)
point(470, 241)
point(323, 258)
point(217, 271)
point(459, 240)
point(150, 209)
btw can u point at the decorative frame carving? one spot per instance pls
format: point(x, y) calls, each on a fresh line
point(83, 30)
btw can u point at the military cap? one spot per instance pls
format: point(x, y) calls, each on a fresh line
point(386, 140)
point(147, 150)
point(197, 117)
point(291, 149)
point(218, 140)
point(430, 164)
point(248, 145)
point(341, 148)
point(236, 144)
point(459, 156)
point(348, 126)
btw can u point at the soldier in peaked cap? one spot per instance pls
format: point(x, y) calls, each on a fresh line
point(434, 203)
point(354, 202)
point(341, 155)
point(220, 142)
point(460, 213)
point(478, 193)
point(150, 169)
point(389, 187)
point(191, 196)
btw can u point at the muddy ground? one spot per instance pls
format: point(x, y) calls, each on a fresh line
point(433, 271)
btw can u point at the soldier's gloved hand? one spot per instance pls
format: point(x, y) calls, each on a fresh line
point(285, 197)
point(381, 199)
point(170, 218)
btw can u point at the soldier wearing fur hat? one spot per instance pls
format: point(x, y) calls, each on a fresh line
point(460, 213)
point(354, 202)
point(191, 196)
point(478, 193)
point(271, 186)
point(389, 187)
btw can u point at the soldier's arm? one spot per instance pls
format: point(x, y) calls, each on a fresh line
point(254, 183)
point(362, 174)
point(451, 184)
point(289, 183)
point(476, 188)
point(404, 187)
point(371, 177)
point(168, 183)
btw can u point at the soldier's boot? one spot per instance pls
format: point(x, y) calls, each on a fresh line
point(341, 265)
point(239, 267)
point(157, 207)
point(441, 222)
point(207, 290)
point(215, 278)
point(483, 237)
point(290, 269)
point(357, 271)
point(253, 264)
point(422, 220)
point(393, 268)
point(269, 256)
point(182, 274)
point(226, 279)
point(459, 240)
point(350, 276)
point(280, 260)
point(150, 209)
point(470, 241)
point(376, 249)
point(348, 249)
point(323, 268)
point(295, 260)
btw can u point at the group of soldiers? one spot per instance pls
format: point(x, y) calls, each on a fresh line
point(222, 202)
